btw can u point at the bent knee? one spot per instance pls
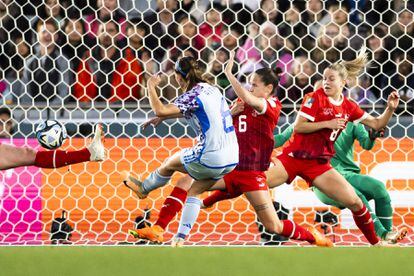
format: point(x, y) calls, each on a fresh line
point(184, 183)
point(354, 204)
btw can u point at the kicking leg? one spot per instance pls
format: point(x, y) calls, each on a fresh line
point(13, 157)
point(158, 178)
point(276, 175)
point(59, 158)
point(172, 205)
point(266, 213)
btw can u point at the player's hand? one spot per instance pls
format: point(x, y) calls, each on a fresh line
point(336, 123)
point(374, 134)
point(153, 121)
point(154, 81)
point(237, 108)
point(230, 63)
point(393, 100)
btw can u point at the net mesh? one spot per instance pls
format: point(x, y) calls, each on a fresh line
point(84, 62)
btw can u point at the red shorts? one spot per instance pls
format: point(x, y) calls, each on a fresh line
point(308, 169)
point(239, 182)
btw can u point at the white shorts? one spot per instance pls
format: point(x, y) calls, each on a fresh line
point(199, 171)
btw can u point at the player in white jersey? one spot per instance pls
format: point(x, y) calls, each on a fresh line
point(215, 154)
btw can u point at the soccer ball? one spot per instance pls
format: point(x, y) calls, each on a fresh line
point(51, 134)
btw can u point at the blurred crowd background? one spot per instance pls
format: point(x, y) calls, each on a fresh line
point(88, 54)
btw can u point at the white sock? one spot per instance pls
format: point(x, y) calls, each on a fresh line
point(154, 181)
point(189, 216)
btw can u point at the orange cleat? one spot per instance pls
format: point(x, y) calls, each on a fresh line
point(402, 233)
point(320, 239)
point(133, 184)
point(152, 233)
point(396, 236)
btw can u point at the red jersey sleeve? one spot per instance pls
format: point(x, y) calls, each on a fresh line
point(310, 106)
point(271, 108)
point(356, 114)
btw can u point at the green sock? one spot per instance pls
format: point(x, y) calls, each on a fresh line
point(383, 210)
point(379, 228)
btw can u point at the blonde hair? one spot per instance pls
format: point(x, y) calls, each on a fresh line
point(349, 70)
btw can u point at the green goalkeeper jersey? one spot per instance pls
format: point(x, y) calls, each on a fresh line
point(343, 160)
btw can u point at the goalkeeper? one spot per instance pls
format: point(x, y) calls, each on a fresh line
point(366, 187)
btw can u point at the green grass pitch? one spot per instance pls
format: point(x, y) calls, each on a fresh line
point(108, 260)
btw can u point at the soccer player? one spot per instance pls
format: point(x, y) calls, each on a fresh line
point(366, 187)
point(215, 154)
point(12, 156)
point(322, 117)
point(255, 116)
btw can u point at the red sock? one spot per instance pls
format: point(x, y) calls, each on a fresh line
point(293, 231)
point(60, 158)
point(172, 205)
point(218, 196)
point(364, 222)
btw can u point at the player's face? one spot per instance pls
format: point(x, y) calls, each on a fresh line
point(258, 87)
point(180, 80)
point(332, 83)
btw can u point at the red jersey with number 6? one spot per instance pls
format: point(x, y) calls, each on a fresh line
point(255, 135)
point(318, 107)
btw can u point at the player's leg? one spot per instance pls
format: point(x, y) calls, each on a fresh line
point(95, 151)
point(172, 205)
point(277, 174)
point(158, 178)
point(12, 156)
point(335, 186)
point(376, 190)
point(379, 228)
point(194, 204)
point(263, 206)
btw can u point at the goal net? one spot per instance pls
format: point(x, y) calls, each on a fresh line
point(87, 62)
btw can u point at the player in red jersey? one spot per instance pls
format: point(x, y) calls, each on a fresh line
point(322, 117)
point(12, 156)
point(255, 116)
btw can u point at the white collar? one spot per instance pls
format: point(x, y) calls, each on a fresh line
point(338, 102)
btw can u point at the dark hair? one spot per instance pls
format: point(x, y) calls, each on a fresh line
point(108, 19)
point(268, 76)
point(5, 110)
point(138, 23)
point(190, 70)
point(49, 21)
point(186, 16)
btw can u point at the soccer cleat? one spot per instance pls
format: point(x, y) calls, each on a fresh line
point(385, 244)
point(96, 147)
point(320, 239)
point(133, 184)
point(396, 236)
point(152, 233)
point(177, 242)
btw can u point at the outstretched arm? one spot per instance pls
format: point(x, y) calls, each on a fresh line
point(158, 120)
point(160, 109)
point(257, 103)
point(382, 120)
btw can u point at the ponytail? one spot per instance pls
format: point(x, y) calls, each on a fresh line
point(351, 69)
